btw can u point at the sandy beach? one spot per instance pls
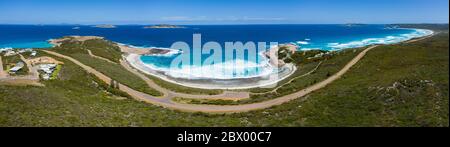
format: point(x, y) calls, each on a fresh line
point(134, 61)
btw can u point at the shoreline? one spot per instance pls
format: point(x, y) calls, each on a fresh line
point(231, 84)
point(135, 61)
point(132, 54)
point(390, 39)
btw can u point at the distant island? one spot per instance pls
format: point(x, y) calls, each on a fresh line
point(105, 26)
point(164, 26)
point(354, 24)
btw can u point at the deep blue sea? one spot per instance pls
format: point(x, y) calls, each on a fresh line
point(326, 37)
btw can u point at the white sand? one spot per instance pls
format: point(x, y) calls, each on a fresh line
point(135, 62)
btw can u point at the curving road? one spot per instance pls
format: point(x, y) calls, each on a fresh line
point(166, 99)
point(290, 81)
point(226, 95)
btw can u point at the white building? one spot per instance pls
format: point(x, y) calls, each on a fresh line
point(16, 68)
point(47, 70)
point(5, 49)
point(33, 53)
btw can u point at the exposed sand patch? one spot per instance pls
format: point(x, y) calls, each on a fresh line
point(272, 54)
point(2, 72)
point(44, 60)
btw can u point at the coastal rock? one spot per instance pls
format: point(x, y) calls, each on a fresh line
point(274, 54)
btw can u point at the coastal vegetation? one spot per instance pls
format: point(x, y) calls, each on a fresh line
point(99, 47)
point(103, 48)
point(56, 72)
point(406, 84)
point(117, 72)
point(183, 89)
point(78, 50)
point(435, 27)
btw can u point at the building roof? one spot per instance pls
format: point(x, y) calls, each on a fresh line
point(15, 69)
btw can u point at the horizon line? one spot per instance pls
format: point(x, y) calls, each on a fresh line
point(77, 24)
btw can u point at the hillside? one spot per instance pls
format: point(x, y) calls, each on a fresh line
point(394, 85)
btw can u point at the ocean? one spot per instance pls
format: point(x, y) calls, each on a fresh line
point(325, 37)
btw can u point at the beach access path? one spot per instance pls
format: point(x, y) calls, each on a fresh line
point(166, 100)
point(290, 81)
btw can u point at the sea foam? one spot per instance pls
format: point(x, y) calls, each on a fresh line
point(233, 69)
point(386, 40)
point(302, 42)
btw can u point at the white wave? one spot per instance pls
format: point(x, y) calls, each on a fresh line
point(303, 42)
point(235, 69)
point(6, 48)
point(309, 49)
point(386, 40)
point(171, 52)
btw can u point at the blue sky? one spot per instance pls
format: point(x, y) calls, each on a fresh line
point(222, 11)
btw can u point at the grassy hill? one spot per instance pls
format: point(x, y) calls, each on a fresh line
point(396, 85)
point(78, 50)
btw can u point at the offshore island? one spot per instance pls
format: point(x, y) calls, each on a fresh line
point(164, 26)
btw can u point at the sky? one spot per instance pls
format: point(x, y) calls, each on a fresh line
point(223, 11)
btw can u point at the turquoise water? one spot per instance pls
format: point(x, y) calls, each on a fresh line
point(325, 37)
point(39, 44)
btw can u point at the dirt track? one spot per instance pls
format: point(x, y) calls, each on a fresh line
point(2, 72)
point(166, 100)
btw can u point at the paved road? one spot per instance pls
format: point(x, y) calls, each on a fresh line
point(166, 100)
